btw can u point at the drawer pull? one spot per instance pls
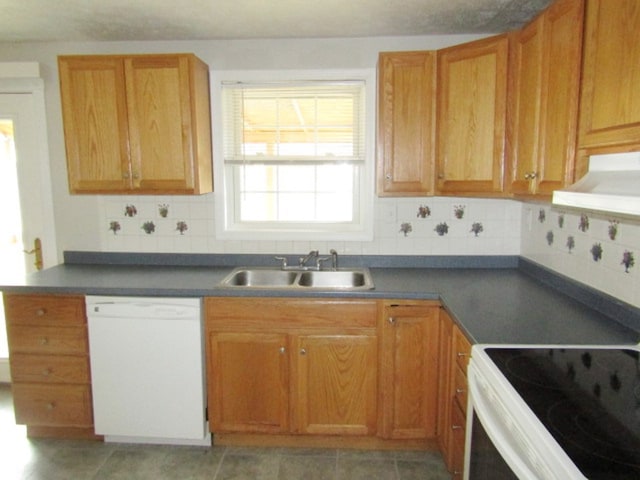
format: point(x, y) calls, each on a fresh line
point(41, 311)
point(456, 427)
point(462, 354)
point(460, 390)
point(44, 341)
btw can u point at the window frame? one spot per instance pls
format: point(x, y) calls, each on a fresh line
point(225, 222)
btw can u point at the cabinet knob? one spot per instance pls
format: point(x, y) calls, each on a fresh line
point(303, 351)
point(282, 350)
point(388, 177)
point(392, 320)
point(44, 341)
point(125, 175)
point(46, 372)
point(41, 311)
point(460, 390)
point(456, 427)
point(441, 176)
point(50, 406)
point(462, 354)
point(136, 176)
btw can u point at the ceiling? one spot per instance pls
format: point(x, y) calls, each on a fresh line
point(130, 20)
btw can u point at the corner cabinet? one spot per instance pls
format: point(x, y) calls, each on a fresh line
point(471, 117)
point(406, 120)
point(49, 361)
point(409, 369)
point(137, 124)
point(292, 366)
point(610, 101)
point(543, 102)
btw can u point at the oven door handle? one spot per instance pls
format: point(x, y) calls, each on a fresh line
point(512, 446)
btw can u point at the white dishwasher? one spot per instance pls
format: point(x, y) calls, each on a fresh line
point(147, 374)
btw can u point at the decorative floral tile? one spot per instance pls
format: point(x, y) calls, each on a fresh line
point(477, 228)
point(561, 220)
point(406, 228)
point(571, 243)
point(423, 211)
point(549, 238)
point(442, 229)
point(148, 227)
point(583, 225)
point(612, 231)
point(163, 210)
point(542, 215)
point(596, 252)
point(458, 211)
point(114, 226)
point(627, 260)
point(130, 211)
point(182, 227)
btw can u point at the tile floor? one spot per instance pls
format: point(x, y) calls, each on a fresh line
point(22, 459)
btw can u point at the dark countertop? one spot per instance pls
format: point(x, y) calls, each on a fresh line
point(506, 305)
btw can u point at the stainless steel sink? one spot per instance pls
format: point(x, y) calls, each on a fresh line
point(333, 279)
point(267, 277)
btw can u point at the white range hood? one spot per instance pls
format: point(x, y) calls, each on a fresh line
point(611, 185)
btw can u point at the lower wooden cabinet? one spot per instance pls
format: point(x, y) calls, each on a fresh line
point(49, 360)
point(248, 382)
point(455, 354)
point(409, 369)
point(292, 366)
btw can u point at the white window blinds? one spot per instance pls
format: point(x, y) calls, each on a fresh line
point(300, 123)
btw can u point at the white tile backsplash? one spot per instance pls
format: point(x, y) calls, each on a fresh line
point(606, 274)
point(508, 228)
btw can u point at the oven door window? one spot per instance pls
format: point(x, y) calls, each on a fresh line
point(484, 459)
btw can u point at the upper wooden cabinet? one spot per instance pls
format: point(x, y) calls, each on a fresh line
point(406, 119)
point(543, 101)
point(610, 102)
point(471, 115)
point(137, 124)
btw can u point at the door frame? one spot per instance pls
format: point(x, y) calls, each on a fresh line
point(24, 78)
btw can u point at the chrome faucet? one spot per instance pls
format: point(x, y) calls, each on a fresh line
point(334, 259)
point(310, 255)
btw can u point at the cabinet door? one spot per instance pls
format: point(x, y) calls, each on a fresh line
point(406, 119)
point(95, 123)
point(526, 74)
point(335, 385)
point(610, 102)
point(248, 382)
point(409, 364)
point(560, 94)
point(160, 123)
point(471, 116)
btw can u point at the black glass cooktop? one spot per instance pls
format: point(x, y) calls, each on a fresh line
point(587, 398)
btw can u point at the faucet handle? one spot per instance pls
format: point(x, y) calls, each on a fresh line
point(319, 261)
point(283, 260)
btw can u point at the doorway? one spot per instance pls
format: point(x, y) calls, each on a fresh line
point(26, 210)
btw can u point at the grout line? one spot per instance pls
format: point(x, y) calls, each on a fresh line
point(224, 454)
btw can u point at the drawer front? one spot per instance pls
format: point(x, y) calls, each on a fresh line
point(44, 309)
point(47, 340)
point(52, 405)
point(49, 369)
point(460, 382)
point(462, 349)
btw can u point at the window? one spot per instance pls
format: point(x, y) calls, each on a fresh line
point(296, 159)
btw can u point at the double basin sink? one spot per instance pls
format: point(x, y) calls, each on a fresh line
point(268, 277)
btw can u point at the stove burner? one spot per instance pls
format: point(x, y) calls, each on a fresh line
point(595, 441)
